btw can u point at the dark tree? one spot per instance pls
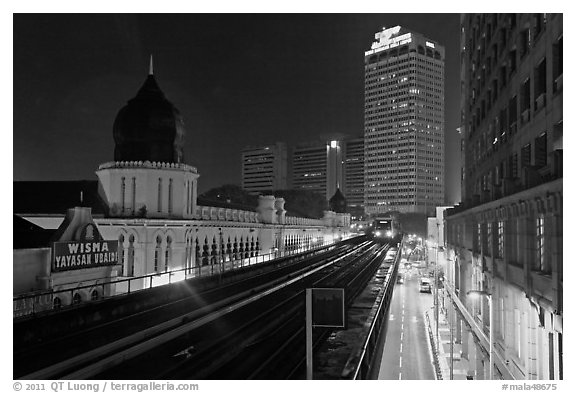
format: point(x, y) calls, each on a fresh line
point(303, 203)
point(229, 195)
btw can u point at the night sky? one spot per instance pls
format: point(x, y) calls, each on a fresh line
point(237, 79)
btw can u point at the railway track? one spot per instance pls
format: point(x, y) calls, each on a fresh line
point(84, 353)
point(283, 356)
point(248, 343)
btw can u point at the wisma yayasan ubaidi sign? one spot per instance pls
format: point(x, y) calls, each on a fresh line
point(82, 255)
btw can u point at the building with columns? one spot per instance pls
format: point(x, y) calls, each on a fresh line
point(505, 237)
point(145, 200)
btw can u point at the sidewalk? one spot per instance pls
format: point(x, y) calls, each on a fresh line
point(460, 365)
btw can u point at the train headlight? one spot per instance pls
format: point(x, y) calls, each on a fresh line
point(378, 233)
point(389, 233)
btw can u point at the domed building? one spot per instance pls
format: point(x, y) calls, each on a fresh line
point(149, 127)
point(144, 206)
point(148, 177)
point(338, 202)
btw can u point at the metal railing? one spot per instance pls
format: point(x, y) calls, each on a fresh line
point(435, 348)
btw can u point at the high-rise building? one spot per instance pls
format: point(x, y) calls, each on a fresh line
point(504, 240)
point(310, 167)
point(264, 168)
point(354, 175)
point(404, 123)
point(324, 167)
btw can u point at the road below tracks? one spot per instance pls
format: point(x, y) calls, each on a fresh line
point(407, 352)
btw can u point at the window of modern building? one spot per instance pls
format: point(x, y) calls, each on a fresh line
point(526, 155)
point(542, 266)
point(557, 64)
point(540, 85)
point(500, 236)
point(512, 234)
point(512, 58)
point(512, 115)
point(538, 23)
point(524, 42)
point(540, 151)
point(514, 165)
point(477, 238)
point(512, 20)
point(489, 239)
point(525, 100)
point(503, 76)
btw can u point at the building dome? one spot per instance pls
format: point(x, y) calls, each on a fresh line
point(149, 128)
point(338, 202)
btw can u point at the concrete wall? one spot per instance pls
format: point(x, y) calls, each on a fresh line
point(30, 269)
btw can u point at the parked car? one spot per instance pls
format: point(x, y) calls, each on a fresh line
point(400, 278)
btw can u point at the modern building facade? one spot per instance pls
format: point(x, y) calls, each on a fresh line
point(317, 167)
point(354, 176)
point(325, 167)
point(404, 123)
point(505, 238)
point(265, 168)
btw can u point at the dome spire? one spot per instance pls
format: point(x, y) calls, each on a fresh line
point(151, 70)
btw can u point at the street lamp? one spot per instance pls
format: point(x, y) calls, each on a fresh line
point(477, 294)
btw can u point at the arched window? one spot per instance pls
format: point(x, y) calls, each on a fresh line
point(57, 303)
point(157, 254)
point(121, 253)
point(168, 257)
point(198, 254)
point(76, 299)
point(131, 256)
point(188, 260)
point(94, 295)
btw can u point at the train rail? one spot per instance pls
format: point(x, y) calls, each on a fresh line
point(83, 354)
point(248, 336)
